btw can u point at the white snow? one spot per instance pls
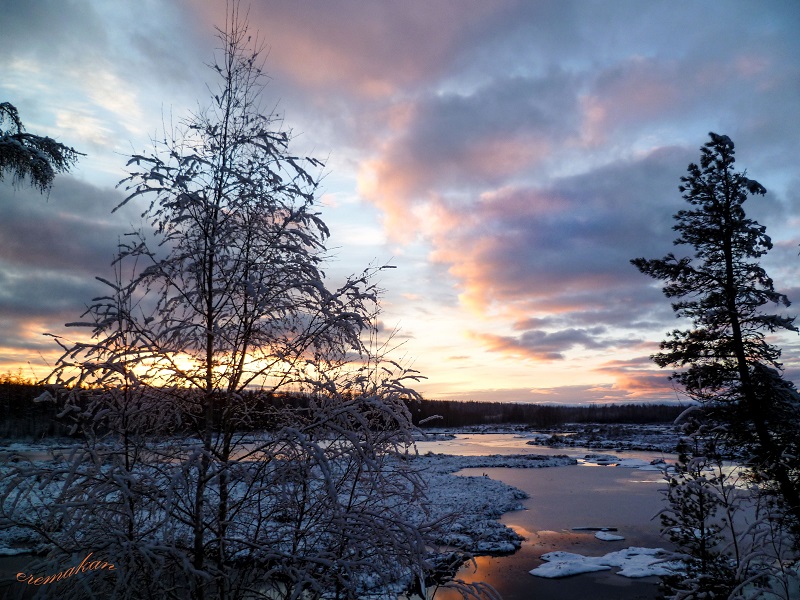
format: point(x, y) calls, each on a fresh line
point(564, 564)
point(470, 505)
point(451, 463)
point(632, 562)
point(607, 536)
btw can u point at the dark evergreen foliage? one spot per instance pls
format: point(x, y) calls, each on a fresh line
point(29, 156)
point(724, 360)
point(449, 413)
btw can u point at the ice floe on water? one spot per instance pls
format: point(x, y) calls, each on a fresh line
point(607, 536)
point(632, 562)
point(612, 460)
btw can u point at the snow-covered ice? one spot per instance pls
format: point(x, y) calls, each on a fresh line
point(618, 437)
point(607, 536)
point(451, 463)
point(632, 562)
point(629, 463)
point(564, 564)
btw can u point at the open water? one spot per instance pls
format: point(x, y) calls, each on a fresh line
point(562, 498)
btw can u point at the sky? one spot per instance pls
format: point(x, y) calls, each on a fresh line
point(508, 157)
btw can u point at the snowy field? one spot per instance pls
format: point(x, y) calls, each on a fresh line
point(476, 502)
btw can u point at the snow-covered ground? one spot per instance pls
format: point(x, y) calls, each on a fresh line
point(470, 505)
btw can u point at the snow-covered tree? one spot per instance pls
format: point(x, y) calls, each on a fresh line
point(699, 521)
point(732, 539)
point(246, 434)
point(29, 156)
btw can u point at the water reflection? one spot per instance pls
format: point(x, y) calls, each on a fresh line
point(483, 444)
point(562, 498)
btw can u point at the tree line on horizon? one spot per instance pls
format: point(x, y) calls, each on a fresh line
point(460, 413)
point(22, 416)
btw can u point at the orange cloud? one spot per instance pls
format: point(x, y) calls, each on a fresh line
point(641, 378)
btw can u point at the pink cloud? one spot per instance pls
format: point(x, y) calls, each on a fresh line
point(541, 345)
point(371, 49)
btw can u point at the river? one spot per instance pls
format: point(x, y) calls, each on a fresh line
point(562, 498)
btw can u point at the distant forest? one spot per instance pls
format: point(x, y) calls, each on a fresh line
point(21, 417)
point(448, 413)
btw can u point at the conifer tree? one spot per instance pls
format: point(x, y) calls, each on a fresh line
point(29, 156)
point(725, 361)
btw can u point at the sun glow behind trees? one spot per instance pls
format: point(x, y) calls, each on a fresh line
point(218, 310)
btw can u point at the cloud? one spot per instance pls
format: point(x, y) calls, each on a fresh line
point(71, 230)
point(562, 248)
point(66, 28)
point(563, 394)
point(453, 144)
point(542, 345)
point(51, 249)
point(87, 74)
point(641, 378)
point(369, 48)
point(635, 379)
